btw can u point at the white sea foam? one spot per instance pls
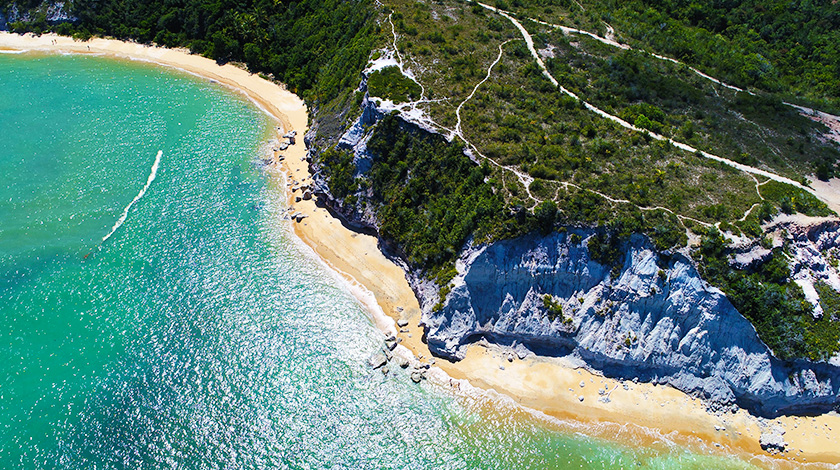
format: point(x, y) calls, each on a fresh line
point(7, 51)
point(124, 215)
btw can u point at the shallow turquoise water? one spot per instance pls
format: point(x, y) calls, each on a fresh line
point(200, 336)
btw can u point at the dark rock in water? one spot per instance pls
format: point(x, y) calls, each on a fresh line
point(385, 370)
point(377, 360)
point(418, 375)
point(391, 345)
point(402, 322)
point(402, 362)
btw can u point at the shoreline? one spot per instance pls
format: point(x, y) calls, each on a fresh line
point(640, 413)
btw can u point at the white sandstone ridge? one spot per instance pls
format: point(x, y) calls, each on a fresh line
point(814, 247)
point(411, 111)
point(657, 320)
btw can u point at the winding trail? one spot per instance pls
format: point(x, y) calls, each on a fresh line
point(610, 34)
point(829, 120)
point(745, 168)
point(410, 110)
point(611, 41)
point(403, 70)
point(457, 130)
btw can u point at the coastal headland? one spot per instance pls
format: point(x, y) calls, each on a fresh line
point(637, 413)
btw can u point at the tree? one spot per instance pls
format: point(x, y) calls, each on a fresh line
point(546, 214)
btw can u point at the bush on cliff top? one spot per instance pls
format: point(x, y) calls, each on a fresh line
point(774, 304)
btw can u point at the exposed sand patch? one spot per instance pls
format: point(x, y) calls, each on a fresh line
point(829, 190)
point(639, 414)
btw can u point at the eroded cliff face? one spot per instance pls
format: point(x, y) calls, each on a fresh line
point(657, 320)
point(654, 319)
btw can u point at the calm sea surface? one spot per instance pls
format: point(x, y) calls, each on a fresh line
point(199, 336)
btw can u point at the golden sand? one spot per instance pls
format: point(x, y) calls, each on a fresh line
point(637, 412)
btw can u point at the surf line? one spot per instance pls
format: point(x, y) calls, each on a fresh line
point(142, 192)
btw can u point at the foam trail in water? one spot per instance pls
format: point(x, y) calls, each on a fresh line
point(124, 215)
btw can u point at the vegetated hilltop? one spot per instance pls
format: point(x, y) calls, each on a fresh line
point(488, 122)
point(549, 157)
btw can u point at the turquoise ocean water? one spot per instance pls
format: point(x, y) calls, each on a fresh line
point(199, 335)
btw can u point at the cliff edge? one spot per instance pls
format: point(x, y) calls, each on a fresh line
point(656, 320)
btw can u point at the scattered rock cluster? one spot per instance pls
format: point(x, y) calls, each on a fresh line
point(289, 139)
point(382, 359)
point(772, 440)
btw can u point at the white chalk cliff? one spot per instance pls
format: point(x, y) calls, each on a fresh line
point(656, 321)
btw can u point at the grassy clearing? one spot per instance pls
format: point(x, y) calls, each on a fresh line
point(390, 83)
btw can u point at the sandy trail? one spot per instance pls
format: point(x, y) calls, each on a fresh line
point(832, 122)
point(640, 414)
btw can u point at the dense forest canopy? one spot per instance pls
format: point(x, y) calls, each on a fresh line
point(316, 47)
point(781, 46)
point(789, 46)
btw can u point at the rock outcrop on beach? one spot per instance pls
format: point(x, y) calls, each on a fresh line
point(656, 320)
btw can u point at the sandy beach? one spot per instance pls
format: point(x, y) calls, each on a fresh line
point(546, 385)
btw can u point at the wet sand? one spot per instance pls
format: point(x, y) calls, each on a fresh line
point(642, 414)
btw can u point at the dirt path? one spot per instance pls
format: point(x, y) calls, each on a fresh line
point(458, 130)
point(745, 168)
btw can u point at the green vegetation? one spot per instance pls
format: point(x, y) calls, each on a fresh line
point(669, 99)
point(429, 196)
point(772, 45)
point(553, 310)
point(316, 47)
point(826, 334)
point(773, 303)
point(339, 168)
point(544, 160)
point(776, 46)
point(790, 199)
point(390, 84)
